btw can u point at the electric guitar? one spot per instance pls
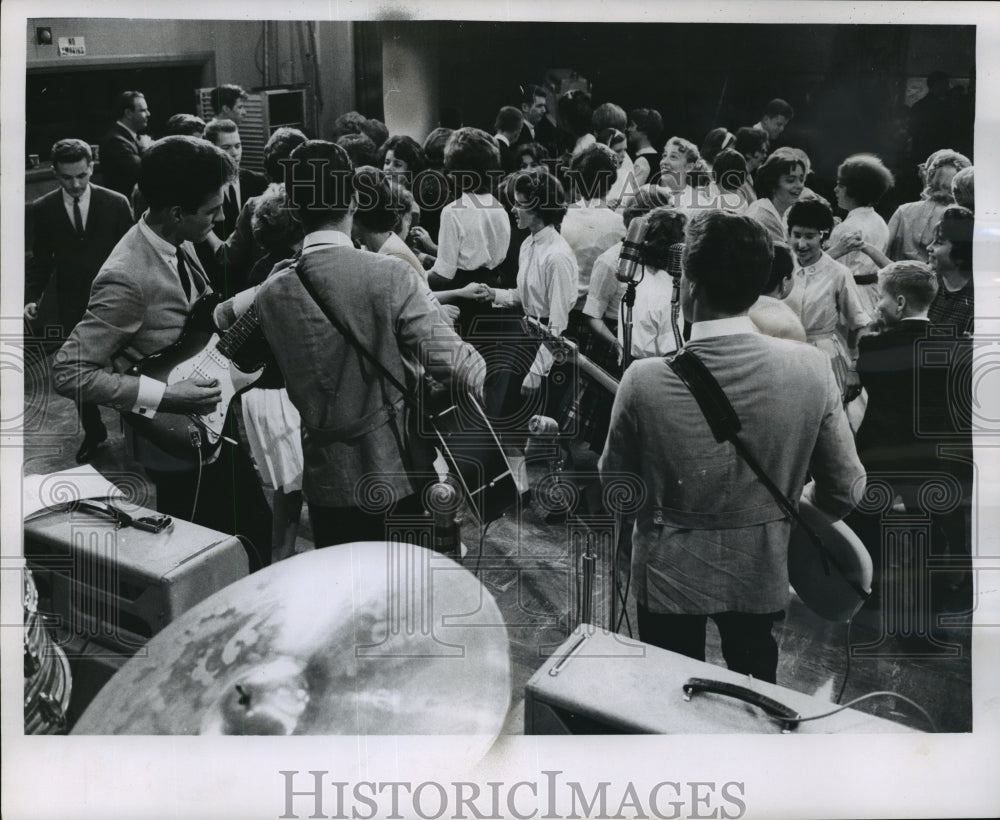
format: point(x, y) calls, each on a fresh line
point(202, 352)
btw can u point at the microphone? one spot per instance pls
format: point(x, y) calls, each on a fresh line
point(631, 255)
point(675, 260)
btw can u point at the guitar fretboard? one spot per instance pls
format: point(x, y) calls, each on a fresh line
point(234, 338)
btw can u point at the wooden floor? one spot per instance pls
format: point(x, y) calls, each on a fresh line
point(531, 562)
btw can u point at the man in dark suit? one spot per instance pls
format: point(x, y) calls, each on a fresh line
point(75, 228)
point(139, 304)
point(537, 125)
point(247, 184)
point(229, 103)
point(709, 539)
point(122, 146)
point(508, 127)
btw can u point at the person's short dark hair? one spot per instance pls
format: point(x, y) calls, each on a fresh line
point(216, 127)
point(183, 171)
point(778, 108)
point(649, 122)
point(187, 125)
point(379, 205)
point(728, 258)
point(716, 140)
point(360, 149)
point(608, 115)
point(529, 92)
point(350, 122)
point(782, 266)
point(71, 150)
point(544, 193)
point(609, 136)
point(404, 148)
point(593, 171)
point(865, 178)
point(810, 213)
point(272, 223)
point(434, 144)
point(280, 145)
point(509, 119)
point(535, 150)
point(729, 169)
point(471, 157)
point(963, 188)
point(774, 168)
point(126, 101)
point(575, 112)
point(664, 229)
point(376, 129)
point(319, 182)
point(227, 95)
point(750, 140)
point(915, 280)
point(647, 198)
point(957, 226)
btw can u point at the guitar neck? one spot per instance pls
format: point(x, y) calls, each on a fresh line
point(587, 367)
point(233, 339)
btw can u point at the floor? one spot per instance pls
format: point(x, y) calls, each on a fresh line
point(532, 561)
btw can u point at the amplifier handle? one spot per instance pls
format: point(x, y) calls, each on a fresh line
point(785, 715)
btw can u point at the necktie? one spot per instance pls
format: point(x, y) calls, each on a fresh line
point(230, 209)
point(182, 271)
point(77, 217)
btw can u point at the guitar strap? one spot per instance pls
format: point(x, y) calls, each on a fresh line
point(351, 339)
point(725, 426)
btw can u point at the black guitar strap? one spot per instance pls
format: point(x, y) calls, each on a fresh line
point(725, 426)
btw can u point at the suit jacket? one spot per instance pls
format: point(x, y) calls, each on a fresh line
point(75, 261)
point(545, 135)
point(355, 433)
point(227, 268)
point(912, 403)
point(708, 536)
point(137, 306)
point(120, 159)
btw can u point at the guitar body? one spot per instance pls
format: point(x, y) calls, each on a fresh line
point(199, 352)
point(832, 595)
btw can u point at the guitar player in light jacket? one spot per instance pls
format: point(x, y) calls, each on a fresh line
point(139, 304)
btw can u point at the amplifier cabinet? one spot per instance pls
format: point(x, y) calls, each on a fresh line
point(598, 682)
point(119, 587)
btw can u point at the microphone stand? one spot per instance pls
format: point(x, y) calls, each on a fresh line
point(628, 300)
point(675, 311)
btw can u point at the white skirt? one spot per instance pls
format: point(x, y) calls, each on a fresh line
point(274, 432)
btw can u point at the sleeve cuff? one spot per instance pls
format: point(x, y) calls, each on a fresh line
point(150, 394)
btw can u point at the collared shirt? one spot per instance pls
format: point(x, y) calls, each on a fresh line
point(323, 239)
point(395, 246)
point(652, 329)
point(731, 326)
point(502, 139)
point(590, 227)
point(605, 293)
point(911, 229)
point(824, 295)
point(866, 221)
point(84, 206)
point(474, 233)
point(546, 280)
point(773, 317)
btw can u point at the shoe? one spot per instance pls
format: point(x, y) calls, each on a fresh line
point(89, 447)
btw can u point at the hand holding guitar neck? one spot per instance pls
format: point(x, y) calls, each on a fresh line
point(194, 395)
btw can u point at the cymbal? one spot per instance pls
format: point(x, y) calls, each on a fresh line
point(369, 638)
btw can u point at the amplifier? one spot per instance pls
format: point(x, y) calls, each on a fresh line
point(119, 587)
point(599, 682)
